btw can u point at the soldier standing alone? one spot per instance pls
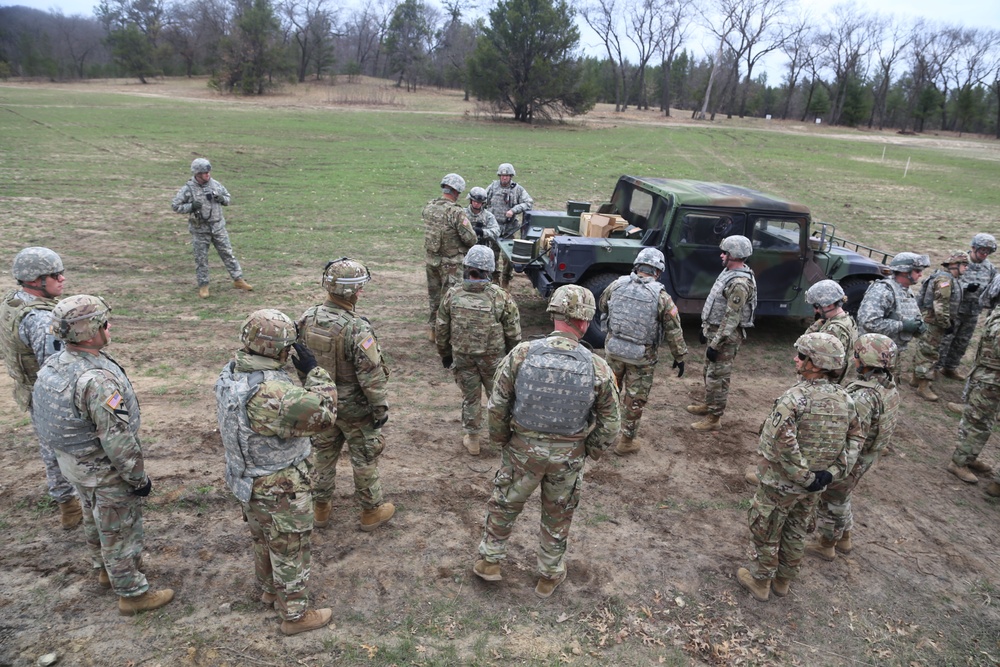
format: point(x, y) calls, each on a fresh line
point(447, 235)
point(939, 301)
point(974, 281)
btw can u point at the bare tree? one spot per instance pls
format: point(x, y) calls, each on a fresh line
point(605, 18)
point(846, 44)
point(309, 24)
point(967, 68)
point(79, 38)
point(800, 49)
point(891, 39)
point(675, 28)
point(756, 31)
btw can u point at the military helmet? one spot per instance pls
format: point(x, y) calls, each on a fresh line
point(738, 247)
point(905, 262)
point(651, 257)
point(876, 351)
point(477, 194)
point(480, 257)
point(823, 349)
point(345, 277)
point(572, 302)
point(983, 240)
point(35, 262)
point(506, 169)
point(200, 166)
point(956, 257)
point(267, 332)
point(454, 181)
point(79, 317)
point(825, 293)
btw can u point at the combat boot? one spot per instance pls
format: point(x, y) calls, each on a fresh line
point(203, 291)
point(372, 519)
point(750, 476)
point(103, 580)
point(953, 374)
point(709, 423)
point(823, 548)
point(471, 443)
point(314, 619)
point(980, 466)
point(70, 513)
point(925, 392)
point(780, 586)
point(146, 602)
point(545, 586)
point(844, 544)
point(239, 283)
point(697, 409)
point(627, 446)
point(486, 570)
point(431, 335)
point(761, 590)
point(963, 473)
point(913, 380)
point(268, 598)
point(321, 513)
point(993, 490)
point(955, 407)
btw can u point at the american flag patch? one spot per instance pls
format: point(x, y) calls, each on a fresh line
point(115, 400)
point(367, 343)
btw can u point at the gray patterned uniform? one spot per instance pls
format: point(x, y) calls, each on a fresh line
point(953, 346)
point(727, 313)
point(514, 198)
point(207, 226)
point(885, 305)
point(27, 343)
point(486, 223)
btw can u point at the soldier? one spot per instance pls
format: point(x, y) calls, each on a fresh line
point(202, 199)
point(477, 325)
point(979, 275)
point(485, 225)
point(811, 438)
point(982, 403)
point(939, 302)
point(26, 341)
point(827, 299)
point(265, 421)
point(447, 235)
point(727, 314)
point(345, 345)
point(638, 314)
point(84, 408)
point(877, 401)
point(889, 308)
point(508, 200)
point(553, 404)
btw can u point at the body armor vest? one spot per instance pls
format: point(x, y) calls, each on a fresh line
point(554, 389)
point(714, 309)
point(19, 358)
point(904, 305)
point(888, 409)
point(325, 337)
point(978, 273)
point(926, 300)
point(474, 328)
point(248, 454)
point(988, 353)
point(633, 317)
point(822, 431)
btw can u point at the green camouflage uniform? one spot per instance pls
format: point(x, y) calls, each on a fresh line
point(877, 401)
point(982, 396)
point(532, 458)
point(725, 337)
point(477, 324)
point(953, 346)
point(943, 293)
point(207, 226)
point(635, 379)
point(843, 327)
point(279, 511)
point(813, 426)
point(447, 235)
point(345, 345)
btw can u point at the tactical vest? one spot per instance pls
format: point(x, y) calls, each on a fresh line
point(979, 273)
point(325, 337)
point(248, 454)
point(554, 389)
point(904, 305)
point(439, 239)
point(19, 358)
point(822, 431)
point(633, 317)
point(888, 409)
point(926, 299)
point(210, 211)
point(475, 330)
point(57, 421)
point(714, 309)
point(846, 330)
point(988, 353)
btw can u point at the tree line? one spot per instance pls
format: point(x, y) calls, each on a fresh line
point(852, 66)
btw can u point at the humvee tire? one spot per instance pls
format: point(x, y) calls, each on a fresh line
point(597, 284)
point(854, 288)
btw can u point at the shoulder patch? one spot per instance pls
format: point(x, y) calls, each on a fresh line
point(116, 405)
point(367, 342)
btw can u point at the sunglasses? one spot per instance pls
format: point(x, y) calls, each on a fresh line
point(56, 276)
point(802, 357)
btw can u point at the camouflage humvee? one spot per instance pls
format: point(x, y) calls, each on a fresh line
point(687, 220)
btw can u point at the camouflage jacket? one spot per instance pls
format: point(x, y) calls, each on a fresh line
point(447, 232)
point(514, 198)
point(667, 320)
point(605, 416)
point(25, 340)
point(813, 426)
point(979, 273)
point(884, 308)
point(940, 296)
point(211, 211)
point(730, 305)
point(877, 401)
point(987, 365)
point(844, 328)
point(477, 318)
point(485, 225)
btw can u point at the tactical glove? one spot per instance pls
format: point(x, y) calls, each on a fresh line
point(950, 330)
point(823, 478)
point(144, 490)
point(304, 360)
point(702, 339)
point(712, 354)
point(971, 289)
point(379, 420)
point(913, 326)
point(679, 365)
point(195, 206)
point(446, 361)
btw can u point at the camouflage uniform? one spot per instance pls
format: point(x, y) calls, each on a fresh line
point(954, 345)
point(844, 328)
point(447, 235)
point(477, 325)
point(499, 200)
point(207, 226)
point(940, 299)
point(813, 426)
point(84, 407)
point(634, 375)
point(530, 458)
point(345, 345)
point(982, 396)
point(488, 230)
point(883, 309)
point(26, 342)
point(727, 313)
point(267, 466)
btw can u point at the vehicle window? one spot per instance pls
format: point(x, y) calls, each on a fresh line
point(707, 229)
point(777, 233)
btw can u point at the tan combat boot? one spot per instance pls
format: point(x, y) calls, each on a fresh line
point(321, 513)
point(761, 590)
point(925, 392)
point(627, 446)
point(697, 409)
point(471, 443)
point(104, 580)
point(268, 598)
point(750, 476)
point(314, 619)
point(372, 519)
point(239, 283)
point(431, 335)
point(844, 544)
point(993, 490)
point(953, 374)
point(780, 586)
point(913, 380)
point(955, 407)
point(709, 423)
point(980, 466)
point(203, 291)
point(146, 602)
point(823, 548)
point(486, 570)
point(963, 473)
point(545, 587)
point(70, 513)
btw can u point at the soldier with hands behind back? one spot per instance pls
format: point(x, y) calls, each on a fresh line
point(974, 282)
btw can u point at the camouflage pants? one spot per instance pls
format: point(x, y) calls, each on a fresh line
point(833, 509)
point(204, 236)
point(112, 524)
point(635, 383)
point(982, 401)
point(471, 375)
point(718, 375)
point(60, 490)
point(280, 516)
point(926, 357)
point(365, 444)
point(778, 526)
point(558, 468)
point(441, 278)
point(953, 346)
